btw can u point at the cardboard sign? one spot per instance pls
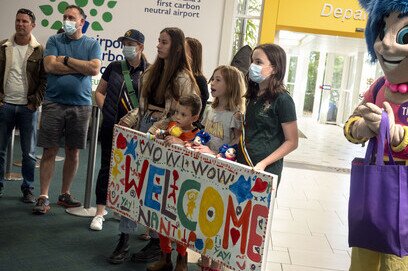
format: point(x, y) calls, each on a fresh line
point(214, 206)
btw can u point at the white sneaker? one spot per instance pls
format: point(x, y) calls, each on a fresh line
point(96, 223)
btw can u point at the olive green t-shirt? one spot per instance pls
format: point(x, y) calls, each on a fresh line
point(263, 128)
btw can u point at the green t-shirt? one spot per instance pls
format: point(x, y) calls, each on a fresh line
point(263, 128)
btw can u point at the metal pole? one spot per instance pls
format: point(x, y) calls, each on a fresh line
point(87, 210)
point(9, 175)
point(92, 156)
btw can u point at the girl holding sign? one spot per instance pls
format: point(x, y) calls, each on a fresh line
point(270, 127)
point(223, 120)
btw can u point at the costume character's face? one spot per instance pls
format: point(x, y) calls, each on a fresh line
point(391, 48)
point(230, 153)
point(197, 140)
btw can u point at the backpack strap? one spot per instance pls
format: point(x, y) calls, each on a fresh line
point(129, 85)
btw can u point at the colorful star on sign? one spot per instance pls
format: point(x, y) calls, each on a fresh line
point(242, 189)
point(131, 148)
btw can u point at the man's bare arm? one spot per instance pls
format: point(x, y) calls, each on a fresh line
point(85, 67)
point(55, 65)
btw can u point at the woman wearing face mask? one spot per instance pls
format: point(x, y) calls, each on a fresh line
point(270, 127)
point(115, 100)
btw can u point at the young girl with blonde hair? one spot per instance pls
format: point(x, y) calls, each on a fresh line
point(223, 120)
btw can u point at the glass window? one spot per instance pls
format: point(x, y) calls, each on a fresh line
point(290, 84)
point(311, 83)
point(247, 21)
point(336, 81)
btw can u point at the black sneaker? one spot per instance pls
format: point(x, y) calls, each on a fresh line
point(151, 252)
point(42, 206)
point(68, 201)
point(28, 196)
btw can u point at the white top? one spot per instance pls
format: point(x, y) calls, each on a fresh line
point(15, 90)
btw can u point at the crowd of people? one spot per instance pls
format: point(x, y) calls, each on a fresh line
point(253, 111)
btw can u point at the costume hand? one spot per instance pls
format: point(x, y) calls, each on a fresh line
point(372, 116)
point(360, 130)
point(396, 130)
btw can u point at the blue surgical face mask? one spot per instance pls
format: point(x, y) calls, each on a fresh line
point(69, 27)
point(129, 52)
point(255, 73)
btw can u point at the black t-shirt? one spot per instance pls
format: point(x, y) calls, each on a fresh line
point(263, 128)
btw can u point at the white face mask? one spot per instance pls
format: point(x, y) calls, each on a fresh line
point(69, 27)
point(255, 73)
point(129, 52)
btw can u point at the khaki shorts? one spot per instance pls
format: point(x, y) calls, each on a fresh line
point(58, 120)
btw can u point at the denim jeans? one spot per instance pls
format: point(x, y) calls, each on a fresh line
point(26, 120)
point(127, 225)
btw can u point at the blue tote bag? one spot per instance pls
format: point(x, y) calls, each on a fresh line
point(378, 204)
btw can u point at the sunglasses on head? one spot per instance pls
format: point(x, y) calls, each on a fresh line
point(26, 11)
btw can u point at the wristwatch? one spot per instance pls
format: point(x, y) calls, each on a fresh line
point(66, 60)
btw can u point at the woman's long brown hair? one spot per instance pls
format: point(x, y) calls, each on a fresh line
point(196, 50)
point(160, 78)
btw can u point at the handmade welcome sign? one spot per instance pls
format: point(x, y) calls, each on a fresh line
point(214, 206)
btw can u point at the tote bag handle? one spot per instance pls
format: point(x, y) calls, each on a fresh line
point(376, 144)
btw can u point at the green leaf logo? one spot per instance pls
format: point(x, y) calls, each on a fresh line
point(81, 3)
point(111, 4)
point(56, 25)
point(96, 26)
point(46, 9)
point(96, 8)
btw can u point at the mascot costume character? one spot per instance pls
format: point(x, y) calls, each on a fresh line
point(387, 41)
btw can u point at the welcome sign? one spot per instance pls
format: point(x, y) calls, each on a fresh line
point(213, 206)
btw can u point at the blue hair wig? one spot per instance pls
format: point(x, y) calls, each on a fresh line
point(204, 136)
point(377, 10)
point(223, 149)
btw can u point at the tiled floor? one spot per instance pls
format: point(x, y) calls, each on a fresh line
point(309, 228)
point(309, 225)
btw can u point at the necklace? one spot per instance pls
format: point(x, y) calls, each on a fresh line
point(401, 88)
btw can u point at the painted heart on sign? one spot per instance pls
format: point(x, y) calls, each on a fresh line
point(121, 142)
point(260, 186)
point(235, 234)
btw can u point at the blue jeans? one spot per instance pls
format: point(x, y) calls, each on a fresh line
point(26, 120)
